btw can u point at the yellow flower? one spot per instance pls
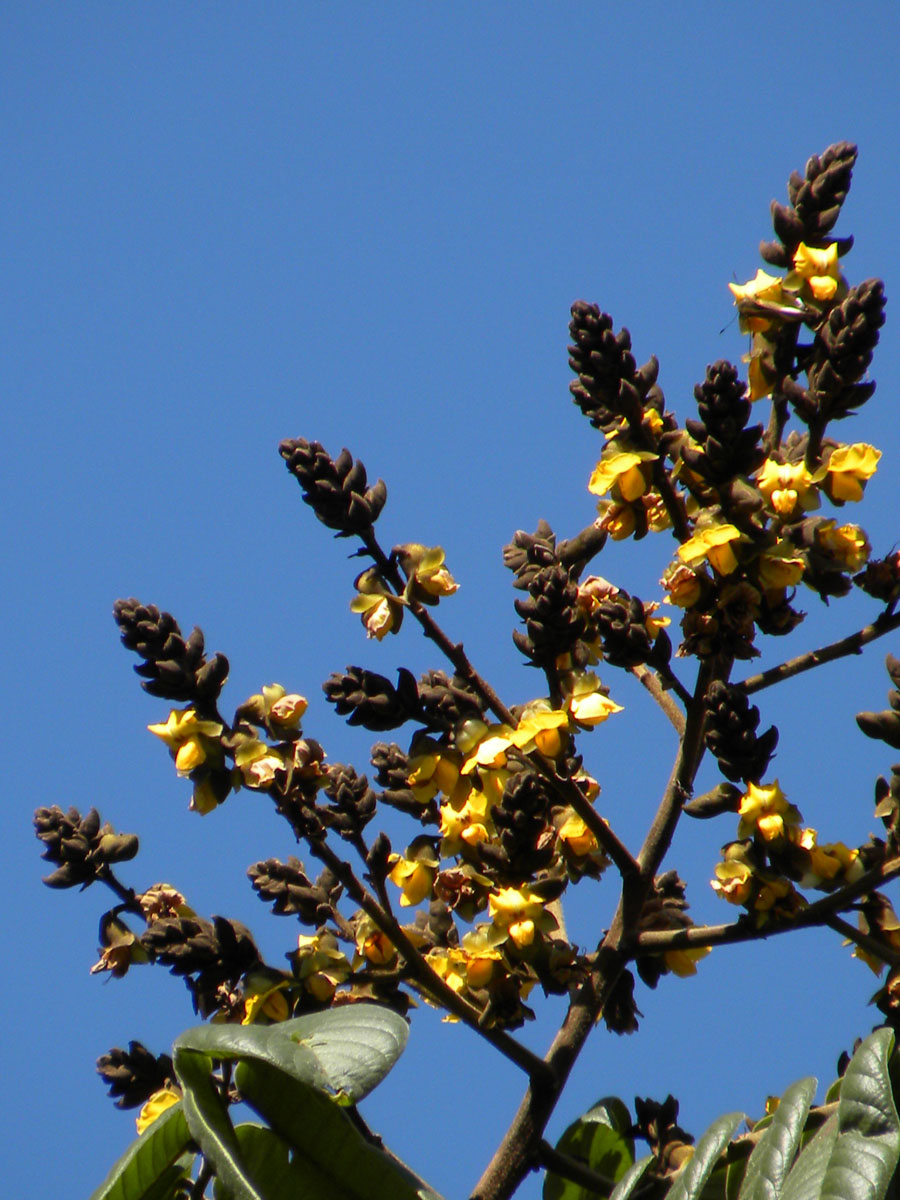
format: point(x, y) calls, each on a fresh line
point(684, 962)
point(765, 808)
point(414, 873)
point(484, 745)
point(450, 965)
point(682, 584)
point(425, 570)
point(818, 269)
point(780, 567)
point(519, 911)
point(258, 763)
point(623, 470)
point(849, 468)
point(380, 610)
point(320, 965)
point(762, 288)
point(542, 729)
point(787, 486)
point(586, 702)
point(619, 520)
point(373, 947)
point(283, 708)
point(733, 882)
point(159, 1102)
point(189, 738)
point(827, 863)
point(577, 837)
point(847, 544)
point(714, 543)
point(468, 824)
point(269, 1003)
point(435, 768)
point(162, 900)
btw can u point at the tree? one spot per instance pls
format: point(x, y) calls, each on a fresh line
point(504, 807)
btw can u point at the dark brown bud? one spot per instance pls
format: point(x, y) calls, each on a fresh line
point(174, 667)
point(731, 735)
point(371, 700)
point(133, 1075)
point(335, 489)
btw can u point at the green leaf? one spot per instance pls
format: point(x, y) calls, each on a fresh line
point(631, 1179)
point(342, 1162)
point(356, 1045)
point(345, 1050)
point(692, 1180)
point(868, 1146)
point(267, 1159)
point(773, 1154)
point(598, 1140)
point(805, 1179)
point(150, 1160)
point(210, 1125)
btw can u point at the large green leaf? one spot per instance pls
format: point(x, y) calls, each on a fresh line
point(210, 1125)
point(325, 1139)
point(231, 1042)
point(707, 1153)
point(771, 1159)
point(598, 1140)
point(868, 1147)
point(346, 1050)
point(356, 1045)
point(150, 1161)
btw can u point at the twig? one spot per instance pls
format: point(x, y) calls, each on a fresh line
point(650, 680)
point(851, 644)
point(419, 969)
point(820, 913)
point(681, 780)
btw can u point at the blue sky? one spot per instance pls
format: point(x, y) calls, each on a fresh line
point(228, 224)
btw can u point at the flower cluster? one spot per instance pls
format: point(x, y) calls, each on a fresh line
point(774, 853)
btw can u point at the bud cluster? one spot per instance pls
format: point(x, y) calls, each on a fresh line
point(133, 1075)
point(610, 386)
point(174, 667)
point(335, 488)
point(81, 846)
point(731, 724)
point(292, 893)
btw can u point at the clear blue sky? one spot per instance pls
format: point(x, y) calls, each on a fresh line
point(227, 224)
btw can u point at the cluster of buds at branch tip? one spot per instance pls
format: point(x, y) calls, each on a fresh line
point(335, 489)
point(174, 667)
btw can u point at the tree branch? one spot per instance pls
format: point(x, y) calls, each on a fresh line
point(821, 912)
point(853, 643)
point(651, 682)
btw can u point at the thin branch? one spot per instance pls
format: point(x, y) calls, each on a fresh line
point(681, 780)
point(822, 912)
point(127, 895)
point(419, 969)
point(853, 643)
point(452, 650)
point(650, 680)
point(570, 793)
point(865, 941)
point(673, 503)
